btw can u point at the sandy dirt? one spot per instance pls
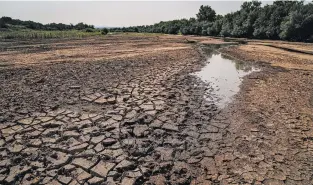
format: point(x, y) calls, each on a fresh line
point(124, 109)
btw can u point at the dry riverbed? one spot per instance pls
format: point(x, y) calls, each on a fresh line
point(132, 109)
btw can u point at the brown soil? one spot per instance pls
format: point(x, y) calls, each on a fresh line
point(271, 135)
point(124, 109)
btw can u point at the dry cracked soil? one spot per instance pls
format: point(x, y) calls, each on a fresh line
point(125, 109)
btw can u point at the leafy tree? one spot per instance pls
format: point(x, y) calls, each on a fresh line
point(104, 31)
point(2, 24)
point(5, 21)
point(298, 25)
point(206, 13)
point(287, 20)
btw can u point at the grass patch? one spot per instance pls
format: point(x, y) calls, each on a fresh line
point(136, 34)
point(240, 41)
point(35, 34)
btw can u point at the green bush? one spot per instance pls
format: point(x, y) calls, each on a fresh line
point(104, 31)
point(89, 30)
point(34, 34)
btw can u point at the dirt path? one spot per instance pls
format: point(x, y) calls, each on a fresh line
point(143, 119)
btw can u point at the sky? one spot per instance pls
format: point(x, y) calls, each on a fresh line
point(109, 13)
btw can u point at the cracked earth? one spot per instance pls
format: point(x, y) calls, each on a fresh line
point(139, 117)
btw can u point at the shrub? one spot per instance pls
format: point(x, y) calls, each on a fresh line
point(104, 31)
point(89, 30)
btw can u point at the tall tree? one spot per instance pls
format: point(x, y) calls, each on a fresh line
point(206, 13)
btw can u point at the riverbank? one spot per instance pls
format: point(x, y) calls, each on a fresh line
point(270, 130)
point(133, 109)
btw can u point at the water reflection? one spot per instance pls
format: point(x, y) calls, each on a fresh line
point(225, 75)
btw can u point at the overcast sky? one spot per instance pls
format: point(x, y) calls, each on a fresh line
point(110, 13)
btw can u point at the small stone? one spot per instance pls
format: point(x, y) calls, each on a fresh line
point(26, 121)
point(273, 182)
point(44, 118)
point(147, 107)
point(64, 179)
point(55, 182)
point(112, 100)
point(69, 167)
point(102, 169)
point(52, 124)
point(82, 175)
point(83, 163)
point(140, 130)
point(78, 148)
point(131, 114)
point(279, 158)
point(165, 153)
point(134, 174)
point(101, 100)
point(157, 180)
point(124, 165)
point(51, 131)
point(46, 180)
point(193, 159)
point(112, 153)
point(151, 112)
point(108, 122)
point(210, 136)
point(211, 129)
point(156, 124)
point(16, 171)
point(254, 130)
point(35, 142)
point(37, 164)
point(58, 159)
point(128, 181)
point(69, 134)
point(277, 174)
point(7, 131)
point(5, 162)
point(16, 148)
point(170, 127)
point(95, 180)
point(99, 147)
point(75, 87)
point(109, 141)
point(96, 140)
point(208, 163)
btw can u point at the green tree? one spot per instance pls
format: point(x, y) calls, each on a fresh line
point(206, 13)
point(104, 31)
point(298, 25)
point(2, 24)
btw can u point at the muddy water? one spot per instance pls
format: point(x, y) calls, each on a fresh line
point(225, 76)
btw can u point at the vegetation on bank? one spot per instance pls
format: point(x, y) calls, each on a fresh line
point(42, 34)
point(8, 22)
point(18, 29)
point(285, 20)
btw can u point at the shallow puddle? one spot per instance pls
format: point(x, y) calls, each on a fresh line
point(225, 76)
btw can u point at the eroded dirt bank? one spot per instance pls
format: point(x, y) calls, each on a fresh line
point(89, 112)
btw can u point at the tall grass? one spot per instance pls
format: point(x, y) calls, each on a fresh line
point(35, 34)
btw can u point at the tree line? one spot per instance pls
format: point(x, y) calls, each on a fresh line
point(6, 22)
point(285, 20)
